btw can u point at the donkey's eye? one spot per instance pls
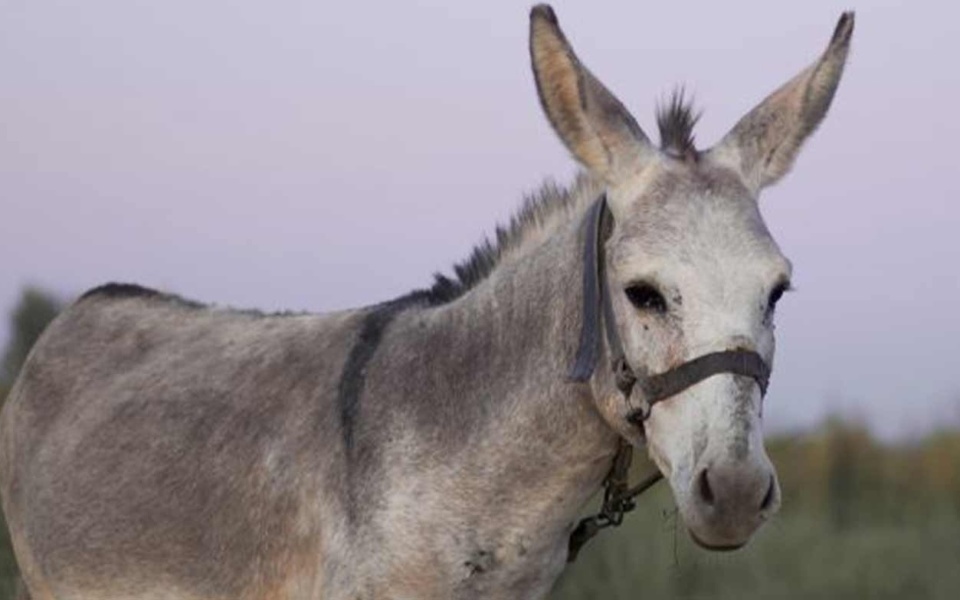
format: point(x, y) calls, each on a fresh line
point(646, 297)
point(776, 294)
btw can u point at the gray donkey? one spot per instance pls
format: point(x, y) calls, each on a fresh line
point(440, 445)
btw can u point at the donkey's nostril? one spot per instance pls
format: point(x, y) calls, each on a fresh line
point(767, 501)
point(703, 487)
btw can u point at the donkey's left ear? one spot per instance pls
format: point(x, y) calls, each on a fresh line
point(764, 144)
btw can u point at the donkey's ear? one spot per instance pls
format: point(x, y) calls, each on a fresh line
point(764, 144)
point(592, 123)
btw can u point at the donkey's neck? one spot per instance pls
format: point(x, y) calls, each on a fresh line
point(472, 440)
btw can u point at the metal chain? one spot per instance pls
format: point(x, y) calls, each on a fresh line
point(618, 499)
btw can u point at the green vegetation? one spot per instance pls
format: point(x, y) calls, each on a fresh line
point(29, 318)
point(8, 566)
point(860, 519)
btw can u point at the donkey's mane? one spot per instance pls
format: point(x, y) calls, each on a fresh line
point(541, 211)
point(539, 215)
point(676, 120)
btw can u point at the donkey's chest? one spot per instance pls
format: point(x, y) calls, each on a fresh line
point(470, 576)
point(439, 560)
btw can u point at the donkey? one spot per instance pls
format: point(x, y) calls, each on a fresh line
point(438, 445)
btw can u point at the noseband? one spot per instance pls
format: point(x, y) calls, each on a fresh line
point(598, 307)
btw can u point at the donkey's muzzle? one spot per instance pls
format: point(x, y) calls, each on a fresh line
point(729, 500)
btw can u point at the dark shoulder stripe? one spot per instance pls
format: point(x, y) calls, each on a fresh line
point(354, 372)
point(351, 385)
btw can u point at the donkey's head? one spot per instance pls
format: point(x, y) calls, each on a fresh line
point(691, 268)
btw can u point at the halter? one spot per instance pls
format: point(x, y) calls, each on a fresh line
point(618, 497)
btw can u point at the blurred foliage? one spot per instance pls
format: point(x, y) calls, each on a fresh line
point(8, 565)
point(29, 318)
point(860, 519)
point(33, 312)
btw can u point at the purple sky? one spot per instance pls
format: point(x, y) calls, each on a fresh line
point(295, 155)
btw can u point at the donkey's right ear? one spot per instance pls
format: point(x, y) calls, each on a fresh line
point(593, 124)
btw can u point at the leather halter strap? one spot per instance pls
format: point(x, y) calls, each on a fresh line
point(598, 307)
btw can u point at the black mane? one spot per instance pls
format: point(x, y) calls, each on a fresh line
point(115, 290)
point(486, 255)
point(676, 121)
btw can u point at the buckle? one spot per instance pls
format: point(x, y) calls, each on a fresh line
point(640, 414)
point(623, 375)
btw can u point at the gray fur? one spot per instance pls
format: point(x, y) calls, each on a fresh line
point(153, 442)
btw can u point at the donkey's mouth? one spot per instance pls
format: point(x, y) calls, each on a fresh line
point(715, 547)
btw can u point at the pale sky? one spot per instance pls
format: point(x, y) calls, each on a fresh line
point(321, 155)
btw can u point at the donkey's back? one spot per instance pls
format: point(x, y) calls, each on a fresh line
point(156, 448)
